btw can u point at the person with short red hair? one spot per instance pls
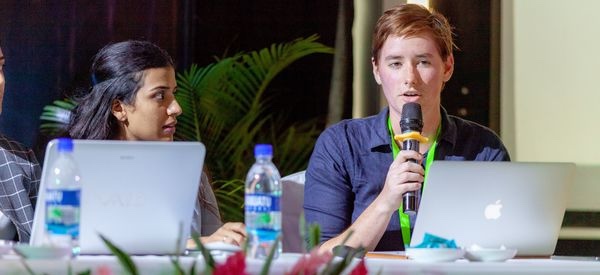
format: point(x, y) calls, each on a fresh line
point(358, 174)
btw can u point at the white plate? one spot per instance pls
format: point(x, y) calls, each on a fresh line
point(490, 254)
point(222, 246)
point(431, 255)
point(42, 252)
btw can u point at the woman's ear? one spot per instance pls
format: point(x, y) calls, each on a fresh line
point(118, 110)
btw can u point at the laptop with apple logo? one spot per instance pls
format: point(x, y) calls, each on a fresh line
point(493, 204)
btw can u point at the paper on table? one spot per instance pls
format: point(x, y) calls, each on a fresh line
point(400, 255)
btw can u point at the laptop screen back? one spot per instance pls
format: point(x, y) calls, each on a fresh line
point(140, 195)
point(515, 204)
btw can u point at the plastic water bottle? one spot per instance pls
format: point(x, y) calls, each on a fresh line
point(63, 199)
point(262, 204)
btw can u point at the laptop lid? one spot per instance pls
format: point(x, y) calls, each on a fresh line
point(516, 204)
point(139, 194)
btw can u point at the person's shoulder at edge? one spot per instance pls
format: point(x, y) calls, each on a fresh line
point(18, 149)
point(11, 145)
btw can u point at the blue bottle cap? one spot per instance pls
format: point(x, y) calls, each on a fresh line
point(65, 145)
point(263, 150)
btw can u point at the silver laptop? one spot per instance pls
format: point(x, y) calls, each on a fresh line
point(140, 195)
point(515, 204)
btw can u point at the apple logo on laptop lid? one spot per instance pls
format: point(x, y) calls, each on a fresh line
point(493, 210)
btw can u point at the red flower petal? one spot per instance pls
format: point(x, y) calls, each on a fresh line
point(308, 265)
point(360, 269)
point(234, 265)
point(104, 270)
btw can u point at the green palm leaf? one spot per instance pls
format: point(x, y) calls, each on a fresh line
point(224, 106)
point(229, 194)
point(56, 117)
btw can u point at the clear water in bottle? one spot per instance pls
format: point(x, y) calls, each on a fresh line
point(262, 204)
point(63, 199)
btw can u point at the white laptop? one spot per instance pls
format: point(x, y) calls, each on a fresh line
point(140, 195)
point(515, 204)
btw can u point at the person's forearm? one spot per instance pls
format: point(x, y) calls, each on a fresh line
point(366, 230)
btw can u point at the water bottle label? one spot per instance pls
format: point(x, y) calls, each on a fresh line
point(262, 203)
point(63, 197)
point(62, 212)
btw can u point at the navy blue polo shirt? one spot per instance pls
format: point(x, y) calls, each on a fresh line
point(351, 159)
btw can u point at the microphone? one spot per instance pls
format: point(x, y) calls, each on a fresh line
point(411, 125)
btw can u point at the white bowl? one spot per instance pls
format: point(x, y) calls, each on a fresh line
point(6, 247)
point(222, 246)
point(490, 254)
point(431, 255)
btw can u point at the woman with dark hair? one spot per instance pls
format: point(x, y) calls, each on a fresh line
point(133, 98)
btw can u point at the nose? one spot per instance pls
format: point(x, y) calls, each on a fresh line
point(1, 83)
point(1, 77)
point(410, 75)
point(174, 109)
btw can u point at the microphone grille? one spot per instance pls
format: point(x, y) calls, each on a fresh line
point(412, 118)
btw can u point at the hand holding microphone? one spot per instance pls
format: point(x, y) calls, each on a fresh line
point(411, 125)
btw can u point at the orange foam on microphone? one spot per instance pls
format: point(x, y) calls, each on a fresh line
point(411, 135)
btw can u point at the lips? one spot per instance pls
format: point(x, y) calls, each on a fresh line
point(170, 128)
point(411, 93)
point(411, 96)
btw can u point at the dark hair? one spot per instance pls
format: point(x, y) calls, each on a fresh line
point(411, 20)
point(116, 74)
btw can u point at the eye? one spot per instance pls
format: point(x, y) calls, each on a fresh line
point(424, 62)
point(160, 95)
point(395, 65)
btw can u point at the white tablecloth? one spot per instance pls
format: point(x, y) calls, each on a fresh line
point(162, 265)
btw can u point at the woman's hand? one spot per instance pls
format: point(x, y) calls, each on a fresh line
point(231, 233)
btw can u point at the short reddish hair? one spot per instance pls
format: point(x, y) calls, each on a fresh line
point(411, 20)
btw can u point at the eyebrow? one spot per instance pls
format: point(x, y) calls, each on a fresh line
point(393, 57)
point(163, 88)
point(424, 55)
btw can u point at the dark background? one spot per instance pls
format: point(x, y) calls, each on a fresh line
point(49, 46)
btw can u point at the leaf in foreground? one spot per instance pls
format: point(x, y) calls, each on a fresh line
point(123, 257)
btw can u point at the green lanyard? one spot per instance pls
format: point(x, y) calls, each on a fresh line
point(404, 219)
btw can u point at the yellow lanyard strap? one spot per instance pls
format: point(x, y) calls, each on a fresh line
point(404, 219)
